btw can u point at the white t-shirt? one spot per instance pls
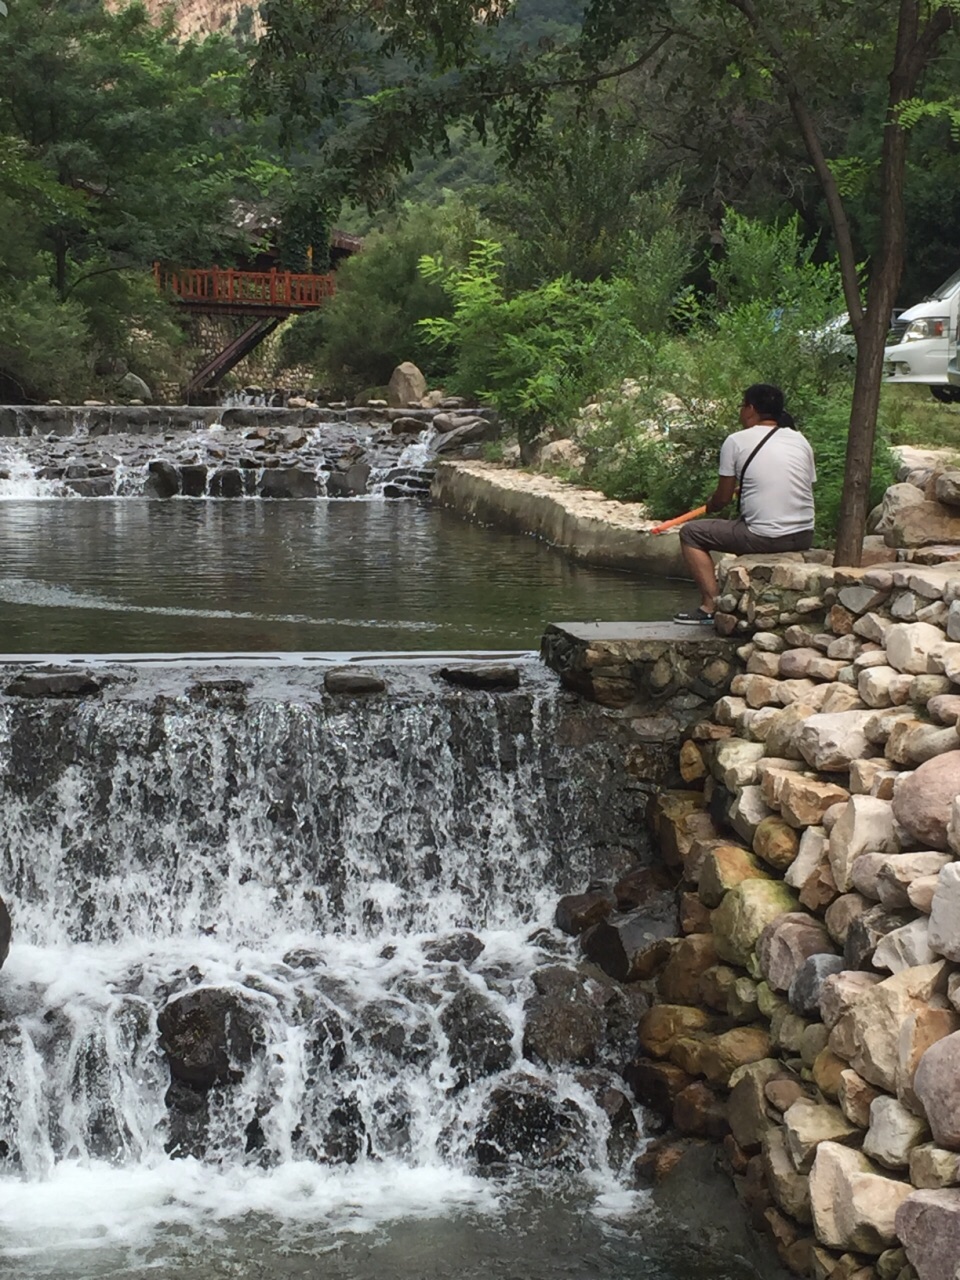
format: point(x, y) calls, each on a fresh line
point(777, 494)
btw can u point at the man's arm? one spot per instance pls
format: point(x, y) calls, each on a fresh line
point(722, 494)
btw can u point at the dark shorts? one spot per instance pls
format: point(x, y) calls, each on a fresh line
point(733, 535)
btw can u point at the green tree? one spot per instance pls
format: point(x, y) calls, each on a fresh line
point(123, 147)
point(537, 355)
point(801, 59)
point(370, 326)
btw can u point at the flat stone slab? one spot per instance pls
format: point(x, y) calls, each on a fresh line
point(655, 666)
point(600, 633)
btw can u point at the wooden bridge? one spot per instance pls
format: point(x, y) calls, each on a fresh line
point(226, 291)
point(266, 297)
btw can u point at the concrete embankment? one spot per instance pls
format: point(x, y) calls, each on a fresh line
point(579, 522)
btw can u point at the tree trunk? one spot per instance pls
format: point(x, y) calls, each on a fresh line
point(915, 47)
point(887, 269)
point(854, 505)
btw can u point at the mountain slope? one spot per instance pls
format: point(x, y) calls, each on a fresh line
point(202, 17)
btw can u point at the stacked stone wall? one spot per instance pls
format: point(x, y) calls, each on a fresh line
point(808, 1017)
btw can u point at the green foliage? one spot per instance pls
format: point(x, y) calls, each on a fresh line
point(305, 220)
point(121, 146)
point(535, 356)
point(132, 327)
point(371, 326)
point(657, 442)
point(43, 342)
point(914, 417)
point(826, 425)
point(660, 444)
point(581, 204)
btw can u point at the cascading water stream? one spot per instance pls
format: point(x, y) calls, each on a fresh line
point(273, 955)
point(205, 461)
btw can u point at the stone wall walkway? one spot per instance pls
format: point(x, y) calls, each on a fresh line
point(579, 522)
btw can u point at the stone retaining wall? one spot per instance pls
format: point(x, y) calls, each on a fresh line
point(583, 524)
point(809, 1014)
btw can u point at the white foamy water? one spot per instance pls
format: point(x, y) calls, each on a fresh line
point(368, 895)
point(19, 482)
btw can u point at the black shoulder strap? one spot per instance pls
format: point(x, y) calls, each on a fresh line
point(743, 471)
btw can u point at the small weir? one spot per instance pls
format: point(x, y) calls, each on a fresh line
point(284, 995)
point(329, 460)
point(284, 974)
point(260, 928)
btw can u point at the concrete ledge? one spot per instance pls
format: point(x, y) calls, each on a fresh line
point(584, 525)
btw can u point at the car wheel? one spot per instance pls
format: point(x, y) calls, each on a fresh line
point(946, 395)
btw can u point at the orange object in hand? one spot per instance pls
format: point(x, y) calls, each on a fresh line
point(671, 524)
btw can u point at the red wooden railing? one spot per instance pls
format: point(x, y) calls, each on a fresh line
point(217, 287)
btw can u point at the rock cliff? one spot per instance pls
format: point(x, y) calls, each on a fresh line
point(203, 17)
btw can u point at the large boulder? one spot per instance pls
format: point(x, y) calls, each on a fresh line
point(132, 387)
point(896, 499)
point(865, 825)
point(893, 1133)
point(911, 645)
point(633, 946)
point(810, 1121)
point(562, 1028)
point(471, 431)
point(526, 1124)
point(945, 913)
point(407, 386)
point(853, 1205)
point(832, 741)
point(744, 914)
point(922, 799)
point(928, 1223)
point(867, 1034)
point(937, 1086)
point(922, 525)
point(480, 1039)
point(786, 943)
point(289, 482)
point(210, 1035)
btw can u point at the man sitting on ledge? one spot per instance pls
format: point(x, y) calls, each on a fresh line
point(772, 464)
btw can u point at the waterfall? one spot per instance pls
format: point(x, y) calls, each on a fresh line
point(332, 459)
point(278, 952)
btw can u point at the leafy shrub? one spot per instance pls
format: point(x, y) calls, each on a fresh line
point(44, 344)
point(132, 325)
point(370, 327)
point(662, 446)
point(826, 426)
point(536, 356)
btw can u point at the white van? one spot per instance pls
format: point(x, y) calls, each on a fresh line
point(922, 352)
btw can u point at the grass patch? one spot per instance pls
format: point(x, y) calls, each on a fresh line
point(913, 417)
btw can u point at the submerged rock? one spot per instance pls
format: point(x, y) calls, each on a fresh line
point(459, 948)
point(491, 676)
point(562, 1027)
point(5, 930)
point(209, 1036)
point(479, 1038)
point(526, 1124)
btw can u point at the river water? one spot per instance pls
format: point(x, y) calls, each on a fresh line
point(132, 576)
point(309, 858)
